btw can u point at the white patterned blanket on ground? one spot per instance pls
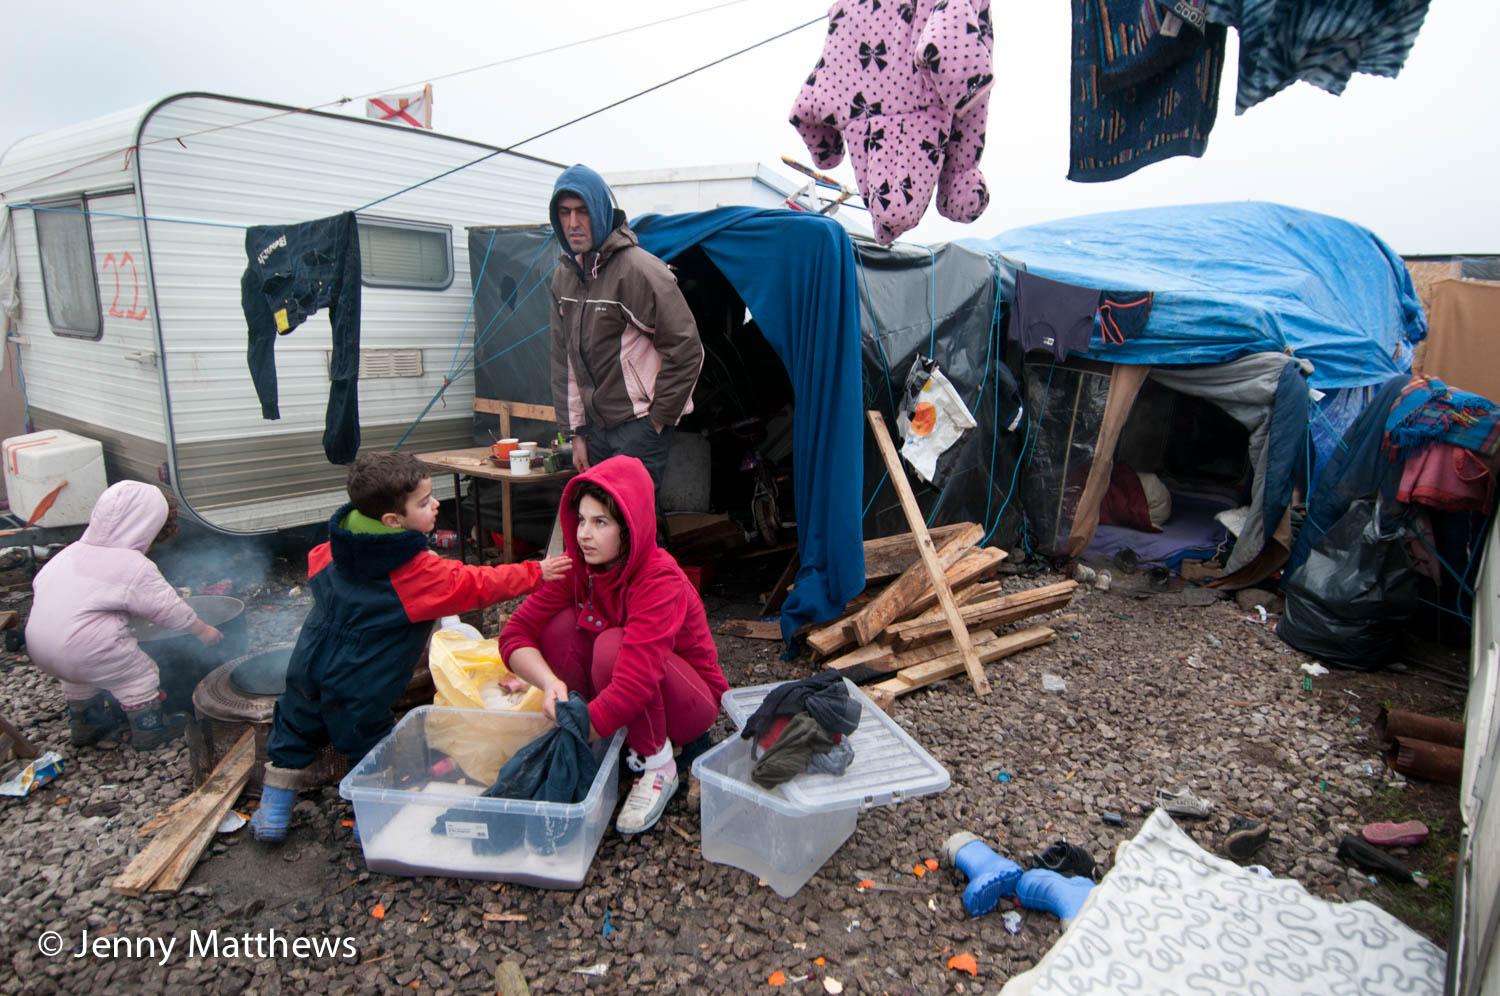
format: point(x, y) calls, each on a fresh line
point(1172, 918)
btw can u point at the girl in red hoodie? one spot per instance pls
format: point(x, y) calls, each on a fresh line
point(625, 629)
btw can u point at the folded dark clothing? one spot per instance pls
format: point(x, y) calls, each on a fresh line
point(558, 766)
point(788, 757)
point(824, 696)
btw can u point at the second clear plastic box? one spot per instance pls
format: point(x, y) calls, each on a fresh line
point(786, 834)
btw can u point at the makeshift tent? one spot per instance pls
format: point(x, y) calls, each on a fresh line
point(795, 273)
point(1253, 305)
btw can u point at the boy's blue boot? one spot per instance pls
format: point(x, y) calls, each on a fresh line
point(97, 720)
point(270, 821)
point(991, 876)
point(151, 728)
point(1044, 889)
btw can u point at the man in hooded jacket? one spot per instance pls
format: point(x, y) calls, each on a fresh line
point(625, 349)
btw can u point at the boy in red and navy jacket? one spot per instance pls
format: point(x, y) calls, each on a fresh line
point(376, 591)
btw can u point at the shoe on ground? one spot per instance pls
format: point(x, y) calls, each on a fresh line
point(1065, 859)
point(151, 728)
point(1245, 837)
point(647, 800)
point(95, 721)
point(1183, 803)
point(1408, 834)
point(1372, 859)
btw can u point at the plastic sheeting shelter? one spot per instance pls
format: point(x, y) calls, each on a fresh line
point(1289, 292)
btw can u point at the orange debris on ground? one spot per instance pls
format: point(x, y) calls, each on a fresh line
point(964, 963)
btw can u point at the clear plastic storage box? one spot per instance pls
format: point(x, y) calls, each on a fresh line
point(413, 822)
point(785, 835)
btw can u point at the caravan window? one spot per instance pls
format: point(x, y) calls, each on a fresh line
point(68, 281)
point(405, 254)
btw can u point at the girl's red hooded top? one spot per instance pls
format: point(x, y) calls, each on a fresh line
point(648, 596)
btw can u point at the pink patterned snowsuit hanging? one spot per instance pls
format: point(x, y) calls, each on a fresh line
point(907, 85)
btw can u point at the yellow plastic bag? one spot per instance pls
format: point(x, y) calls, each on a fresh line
point(467, 675)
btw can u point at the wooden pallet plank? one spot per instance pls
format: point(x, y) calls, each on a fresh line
point(888, 556)
point(921, 675)
point(751, 629)
point(162, 850)
point(929, 555)
point(894, 600)
point(976, 563)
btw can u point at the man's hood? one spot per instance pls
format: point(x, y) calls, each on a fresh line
point(590, 187)
point(626, 480)
point(127, 516)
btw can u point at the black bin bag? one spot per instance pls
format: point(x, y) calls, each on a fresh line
point(1350, 601)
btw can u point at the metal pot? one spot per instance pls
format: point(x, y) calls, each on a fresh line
point(181, 659)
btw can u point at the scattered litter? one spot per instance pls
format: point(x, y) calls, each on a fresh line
point(919, 870)
point(820, 960)
point(1002, 776)
point(231, 822)
point(1260, 610)
point(1315, 669)
point(607, 929)
point(1102, 582)
point(1012, 921)
point(1083, 573)
point(1214, 640)
point(1420, 880)
point(1113, 819)
point(1260, 870)
point(865, 883)
point(347, 823)
point(853, 926)
point(1323, 786)
point(932, 903)
point(1369, 770)
point(964, 963)
point(1354, 721)
point(778, 978)
point(379, 911)
point(1052, 683)
point(1307, 684)
point(597, 969)
point(36, 774)
point(295, 592)
point(832, 985)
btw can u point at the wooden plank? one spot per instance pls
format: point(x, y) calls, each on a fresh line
point(753, 629)
point(892, 602)
point(516, 409)
point(887, 556)
point(884, 656)
point(783, 585)
point(832, 636)
point(975, 563)
point(163, 848)
point(929, 555)
point(164, 817)
point(9, 619)
point(870, 655)
point(990, 591)
point(19, 746)
point(1045, 594)
point(179, 868)
point(985, 614)
point(921, 675)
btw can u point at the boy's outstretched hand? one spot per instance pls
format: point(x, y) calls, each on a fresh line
point(556, 567)
point(206, 634)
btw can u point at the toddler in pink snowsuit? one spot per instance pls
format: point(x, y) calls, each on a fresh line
point(82, 602)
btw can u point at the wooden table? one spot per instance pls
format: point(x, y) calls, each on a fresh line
point(475, 462)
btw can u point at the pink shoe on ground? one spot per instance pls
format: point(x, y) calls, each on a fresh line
point(1408, 834)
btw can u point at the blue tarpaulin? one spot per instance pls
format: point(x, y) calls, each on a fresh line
point(1238, 278)
point(796, 274)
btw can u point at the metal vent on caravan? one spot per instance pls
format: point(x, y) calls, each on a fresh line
point(377, 363)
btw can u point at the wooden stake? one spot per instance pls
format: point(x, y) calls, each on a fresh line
point(928, 554)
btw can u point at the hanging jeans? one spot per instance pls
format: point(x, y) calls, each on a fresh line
point(682, 708)
point(293, 271)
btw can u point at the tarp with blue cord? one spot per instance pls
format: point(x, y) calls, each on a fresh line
point(796, 274)
point(1238, 278)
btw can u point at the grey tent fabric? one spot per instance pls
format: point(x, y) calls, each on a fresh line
point(1246, 389)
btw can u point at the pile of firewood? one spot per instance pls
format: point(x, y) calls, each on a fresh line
point(901, 630)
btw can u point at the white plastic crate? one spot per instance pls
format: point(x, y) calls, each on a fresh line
point(785, 835)
point(398, 802)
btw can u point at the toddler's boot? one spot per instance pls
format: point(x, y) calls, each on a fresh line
point(1060, 895)
point(151, 728)
point(94, 721)
point(270, 821)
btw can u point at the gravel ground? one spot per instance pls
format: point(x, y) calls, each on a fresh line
point(1160, 691)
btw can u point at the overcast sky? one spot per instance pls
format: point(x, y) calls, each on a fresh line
point(1410, 158)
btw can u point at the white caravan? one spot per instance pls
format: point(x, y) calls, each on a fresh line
point(131, 330)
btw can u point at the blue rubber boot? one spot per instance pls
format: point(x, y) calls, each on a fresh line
point(270, 821)
point(991, 876)
point(1046, 890)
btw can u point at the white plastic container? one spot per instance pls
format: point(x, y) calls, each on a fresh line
point(397, 805)
point(38, 462)
point(785, 835)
